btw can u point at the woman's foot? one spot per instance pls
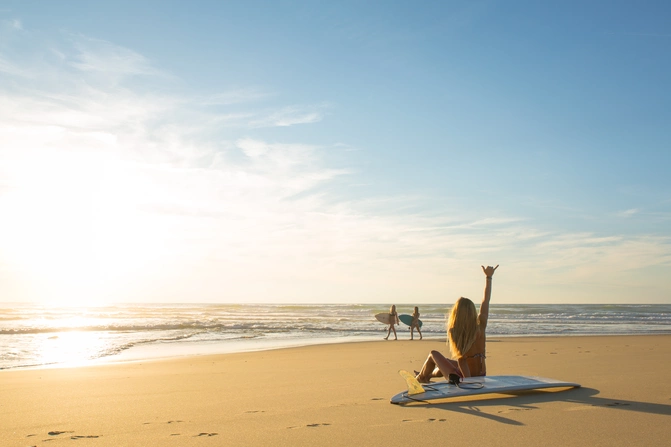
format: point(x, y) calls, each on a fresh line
point(386, 338)
point(421, 379)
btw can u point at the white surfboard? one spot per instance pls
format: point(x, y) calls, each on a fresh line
point(472, 386)
point(384, 317)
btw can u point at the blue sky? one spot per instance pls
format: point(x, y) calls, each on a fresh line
point(334, 151)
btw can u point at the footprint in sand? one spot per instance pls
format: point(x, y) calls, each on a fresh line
point(323, 424)
point(255, 411)
point(167, 422)
point(424, 420)
point(206, 434)
point(59, 432)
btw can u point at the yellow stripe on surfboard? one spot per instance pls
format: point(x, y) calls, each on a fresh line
point(414, 387)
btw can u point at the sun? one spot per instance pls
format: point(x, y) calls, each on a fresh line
point(78, 226)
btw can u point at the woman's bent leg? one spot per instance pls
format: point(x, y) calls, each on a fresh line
point(437, 365)
point(425, 374)
point(444, 365)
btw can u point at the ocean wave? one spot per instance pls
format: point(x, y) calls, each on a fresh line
point(32, 335)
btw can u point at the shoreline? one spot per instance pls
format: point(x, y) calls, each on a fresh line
point(180, 351)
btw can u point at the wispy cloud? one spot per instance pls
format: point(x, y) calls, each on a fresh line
point(628, 213)
point(236, 96)
point(104, 57)
point(13, 24)
point(289, 116)
point(12, 69)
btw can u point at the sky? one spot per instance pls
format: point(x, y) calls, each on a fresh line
point(334, 152)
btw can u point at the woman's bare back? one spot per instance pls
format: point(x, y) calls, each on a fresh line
point(475, 357)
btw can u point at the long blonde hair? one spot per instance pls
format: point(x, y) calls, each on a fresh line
point(462, 327)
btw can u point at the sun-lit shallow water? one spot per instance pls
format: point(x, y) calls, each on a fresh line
point(39, 336)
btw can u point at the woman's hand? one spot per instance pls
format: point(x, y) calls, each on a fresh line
point(489, 271)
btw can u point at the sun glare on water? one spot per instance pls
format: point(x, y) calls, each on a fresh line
point(66, 337)
point(69, 348)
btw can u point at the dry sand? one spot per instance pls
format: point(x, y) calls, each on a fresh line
point(339, 395)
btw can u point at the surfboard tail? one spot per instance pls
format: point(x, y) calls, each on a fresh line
point(414, 387)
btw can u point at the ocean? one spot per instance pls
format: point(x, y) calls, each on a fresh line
point(42, 336)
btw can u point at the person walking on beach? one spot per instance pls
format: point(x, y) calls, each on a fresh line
point(465, 337)
point(415, 324)
point(393, 319)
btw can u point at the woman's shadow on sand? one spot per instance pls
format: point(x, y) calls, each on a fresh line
point(528, 400)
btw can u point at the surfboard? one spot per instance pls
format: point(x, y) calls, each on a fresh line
point(472, 386)
point(407, 320)
point(383, 317)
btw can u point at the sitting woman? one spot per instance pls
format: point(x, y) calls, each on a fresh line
point(465, 337)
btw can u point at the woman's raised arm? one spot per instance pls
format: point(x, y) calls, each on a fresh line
point(484, 307)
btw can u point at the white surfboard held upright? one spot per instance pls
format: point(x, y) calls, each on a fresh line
point(474, 386)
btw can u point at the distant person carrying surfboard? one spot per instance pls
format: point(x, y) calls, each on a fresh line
point(465, 337)
point(413, 322)
point(393, 319)
point(416, 324)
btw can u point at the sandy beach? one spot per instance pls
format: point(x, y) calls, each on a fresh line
point(339, 395)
